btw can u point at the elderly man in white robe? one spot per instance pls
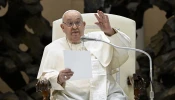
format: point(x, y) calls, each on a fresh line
point(105, 59)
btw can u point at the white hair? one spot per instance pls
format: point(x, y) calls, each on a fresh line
point(71, 11)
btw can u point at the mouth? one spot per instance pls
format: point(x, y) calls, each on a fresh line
point(75, 32)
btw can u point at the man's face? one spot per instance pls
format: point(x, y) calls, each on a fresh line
point(73, 26)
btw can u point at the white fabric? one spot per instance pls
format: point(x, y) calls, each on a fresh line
point(105, 59)
point(126, 25)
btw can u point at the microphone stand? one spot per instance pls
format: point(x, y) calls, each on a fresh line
point(151, 95)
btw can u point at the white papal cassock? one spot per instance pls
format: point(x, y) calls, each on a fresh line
point(105, 59)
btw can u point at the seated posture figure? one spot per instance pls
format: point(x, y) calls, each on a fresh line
point(104, 58)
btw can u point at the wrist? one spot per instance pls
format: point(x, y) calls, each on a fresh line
point(115, 30)
point(111, 32)
point(58, 81)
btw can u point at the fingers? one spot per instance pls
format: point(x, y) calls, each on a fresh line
point(101, 14)
point(101, 17)
point(64, 75)
point(66, 70)
point(98, 18)
point(107, 19)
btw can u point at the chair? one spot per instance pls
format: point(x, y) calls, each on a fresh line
point(125, 25)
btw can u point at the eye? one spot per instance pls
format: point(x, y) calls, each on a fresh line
point(70, 23)
point(77, 22)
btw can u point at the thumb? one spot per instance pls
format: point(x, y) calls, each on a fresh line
point(97, 23)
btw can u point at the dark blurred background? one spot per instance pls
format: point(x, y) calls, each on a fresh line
point(26, 27)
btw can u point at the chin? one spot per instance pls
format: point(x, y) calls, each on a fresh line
point(75, 41)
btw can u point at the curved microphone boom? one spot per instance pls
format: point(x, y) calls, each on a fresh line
point(84, 39)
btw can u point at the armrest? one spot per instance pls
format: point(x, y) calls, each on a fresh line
point(43, 86)
point(139, 85)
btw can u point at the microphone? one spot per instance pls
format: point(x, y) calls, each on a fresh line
point(151, 95)
point(84, 39)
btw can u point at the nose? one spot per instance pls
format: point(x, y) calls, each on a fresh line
point(74, 26)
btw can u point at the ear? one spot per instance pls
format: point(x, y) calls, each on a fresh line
point(62, 26)
point(84, 23)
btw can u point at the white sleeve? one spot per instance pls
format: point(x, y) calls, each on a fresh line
point(122, 40)
point(47, 71)
point(52, 77)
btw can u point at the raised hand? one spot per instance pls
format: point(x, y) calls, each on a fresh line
point(103, 23)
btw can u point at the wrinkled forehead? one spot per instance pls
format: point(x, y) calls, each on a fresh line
point(72, 16)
